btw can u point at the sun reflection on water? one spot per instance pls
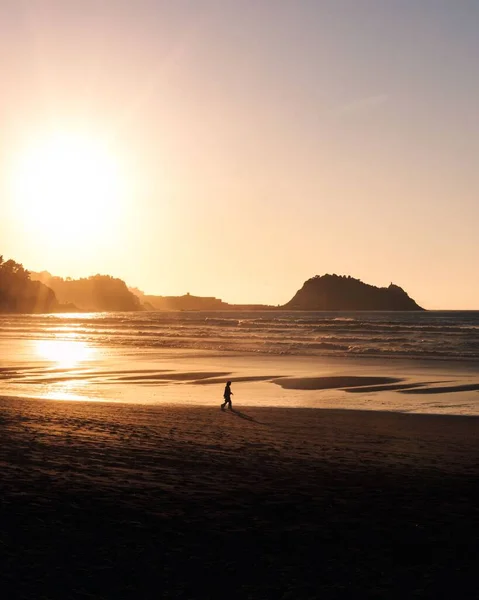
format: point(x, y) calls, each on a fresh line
point(64, 353)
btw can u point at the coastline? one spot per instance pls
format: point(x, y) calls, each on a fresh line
point(265, 502)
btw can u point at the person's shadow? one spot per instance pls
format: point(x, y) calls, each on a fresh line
point(241, 415)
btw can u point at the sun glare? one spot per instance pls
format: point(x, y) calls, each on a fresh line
point(67, 188)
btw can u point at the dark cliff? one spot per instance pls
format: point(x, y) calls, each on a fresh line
point(333, 292)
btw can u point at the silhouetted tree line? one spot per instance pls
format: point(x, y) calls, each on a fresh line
point(95, 293)
point(19, 294)
point(340, 292)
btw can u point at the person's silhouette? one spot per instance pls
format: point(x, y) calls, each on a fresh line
point(227, 396)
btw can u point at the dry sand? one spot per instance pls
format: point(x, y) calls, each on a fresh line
point(117, 501)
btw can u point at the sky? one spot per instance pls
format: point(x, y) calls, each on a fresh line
point(243, 146)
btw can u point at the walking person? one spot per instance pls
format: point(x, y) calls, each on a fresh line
point(227, 396)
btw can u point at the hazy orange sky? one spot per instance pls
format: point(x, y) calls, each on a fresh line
point(249, 145)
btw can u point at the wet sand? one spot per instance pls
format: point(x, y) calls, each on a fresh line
point(102, 500)
point(258, 381)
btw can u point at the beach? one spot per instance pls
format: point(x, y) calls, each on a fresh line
point(102, 500)
point(348, 467)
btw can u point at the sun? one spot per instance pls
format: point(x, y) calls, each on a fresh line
point(67, 188)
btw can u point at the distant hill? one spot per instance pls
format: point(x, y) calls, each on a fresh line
point(190, 302)
point(95, 293)
point(185, 302)
point(334, 292)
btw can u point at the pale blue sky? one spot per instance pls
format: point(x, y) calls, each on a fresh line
point(262, 141)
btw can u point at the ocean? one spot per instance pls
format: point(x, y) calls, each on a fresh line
point(450, 335)
point(122, 356)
